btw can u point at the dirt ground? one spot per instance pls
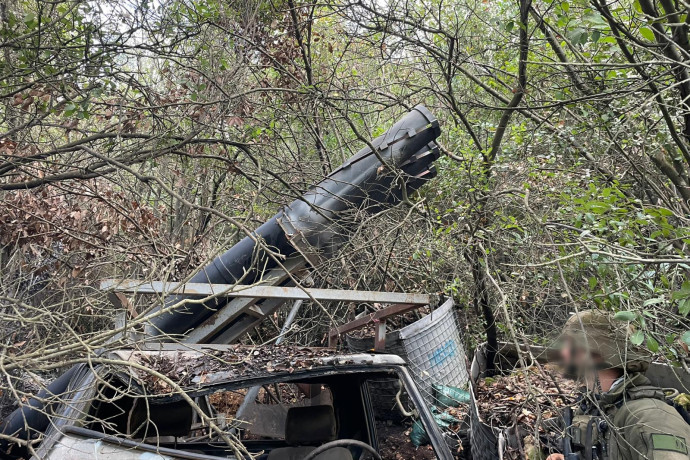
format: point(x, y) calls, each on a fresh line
point(395, 444)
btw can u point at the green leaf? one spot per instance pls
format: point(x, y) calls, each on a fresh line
point(686, 337)
point(683, 293)
point(653, 301)
point(684, 307)
point(637, 337)
point(70, 108)
point(577, 35)
point(647, 33)
point(509, 26)
point(652, 344)
point(565, 6)
point(625, 316)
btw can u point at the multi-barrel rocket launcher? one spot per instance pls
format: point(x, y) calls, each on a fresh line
point(400, 162)
point(309, 226)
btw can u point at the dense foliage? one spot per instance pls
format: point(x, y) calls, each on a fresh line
point(141, 138)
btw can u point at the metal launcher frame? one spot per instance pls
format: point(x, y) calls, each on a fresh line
point(231, 295)
point(252, 304)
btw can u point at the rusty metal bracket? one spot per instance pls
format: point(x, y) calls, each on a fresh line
point(378, 318)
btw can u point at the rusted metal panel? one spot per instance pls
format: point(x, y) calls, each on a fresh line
point(300, 243)
point(121, 302)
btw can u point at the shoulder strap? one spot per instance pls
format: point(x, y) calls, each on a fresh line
point(653, 392)
point(646, 392)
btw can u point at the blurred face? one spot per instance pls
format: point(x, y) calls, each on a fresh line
point(577, 362)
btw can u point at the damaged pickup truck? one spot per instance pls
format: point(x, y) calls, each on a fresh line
point(203, 402)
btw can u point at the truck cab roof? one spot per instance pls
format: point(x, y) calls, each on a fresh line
point(191, 367)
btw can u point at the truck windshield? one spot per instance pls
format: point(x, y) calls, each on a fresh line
point(302, 413)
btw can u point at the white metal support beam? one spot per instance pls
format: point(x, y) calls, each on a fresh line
point(267, 292)
point(252, 303)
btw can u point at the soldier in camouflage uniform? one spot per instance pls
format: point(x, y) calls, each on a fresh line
point(621, 416)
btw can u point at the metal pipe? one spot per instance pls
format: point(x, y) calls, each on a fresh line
point(363, 181)
point(288, 321)
point(32, 417)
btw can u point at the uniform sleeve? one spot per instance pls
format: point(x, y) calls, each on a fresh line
point(656, 432)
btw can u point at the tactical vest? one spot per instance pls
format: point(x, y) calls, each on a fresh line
point(593, 435)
